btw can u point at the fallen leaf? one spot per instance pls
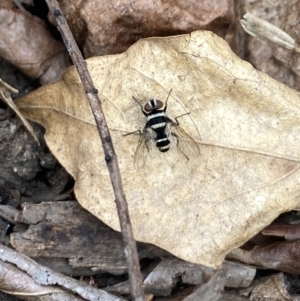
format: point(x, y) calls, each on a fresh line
point(9, 4)
point(28, 45)
point(246, 124)
point(282, 256)
point(265, 31)
point(271, 288)
point(111, 27)
point(279, 63)
point(289, 232)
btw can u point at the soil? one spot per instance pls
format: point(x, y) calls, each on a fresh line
point(28, 172)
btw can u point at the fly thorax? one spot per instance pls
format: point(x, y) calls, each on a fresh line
point(156, 115)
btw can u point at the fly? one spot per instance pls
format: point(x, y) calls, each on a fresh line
point(161, 132)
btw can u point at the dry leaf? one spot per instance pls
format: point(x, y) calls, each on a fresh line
point(282, 256)
point(27, 44)
point(268, 32)
point(106, 27)
point(279, 63)
point(9, 4)
point(289, 232)
point(271, 288)
point(247, 126)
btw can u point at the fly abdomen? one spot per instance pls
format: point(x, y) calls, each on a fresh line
point(157, 126)
point(163, 144)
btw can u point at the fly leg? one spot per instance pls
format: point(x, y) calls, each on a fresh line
point(140, 106)
point(177, 144)
point(177, 122)
point(137, 131)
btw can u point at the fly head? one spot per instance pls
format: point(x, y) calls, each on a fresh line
point(152, 105)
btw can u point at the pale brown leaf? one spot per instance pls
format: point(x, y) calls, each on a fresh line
point(246, 124)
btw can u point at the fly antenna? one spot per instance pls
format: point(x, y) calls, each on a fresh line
point(168, 96)
point(167, 100)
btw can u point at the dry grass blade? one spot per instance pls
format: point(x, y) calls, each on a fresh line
point(5, 94)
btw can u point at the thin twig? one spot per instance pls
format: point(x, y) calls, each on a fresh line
point(44, 276)
point(135, 275)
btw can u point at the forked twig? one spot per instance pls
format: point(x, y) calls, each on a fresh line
point(109, 152)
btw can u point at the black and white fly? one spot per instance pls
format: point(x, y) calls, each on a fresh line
point(160, 132)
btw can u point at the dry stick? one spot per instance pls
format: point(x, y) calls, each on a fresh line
point(110, 156)
point(44, 276)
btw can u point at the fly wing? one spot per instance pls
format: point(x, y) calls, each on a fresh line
point(186, 144)
point(145, 146)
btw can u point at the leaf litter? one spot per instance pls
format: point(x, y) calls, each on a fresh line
point(198, 209)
